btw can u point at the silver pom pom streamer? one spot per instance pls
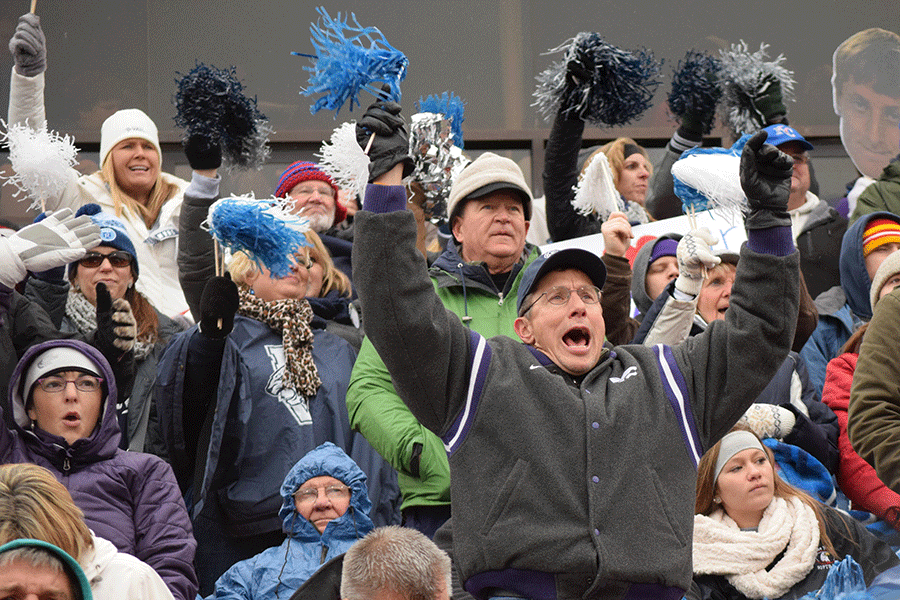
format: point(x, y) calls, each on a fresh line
point(344, 160)
point(746, 77)
point(437, 160)
point(348, 59)
point(597, 82)
point(42, 162)
point(264, 229)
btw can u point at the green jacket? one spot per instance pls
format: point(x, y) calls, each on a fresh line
point(884, 194)
point(380, 415)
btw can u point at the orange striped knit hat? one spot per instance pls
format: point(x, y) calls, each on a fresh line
point(879, 232)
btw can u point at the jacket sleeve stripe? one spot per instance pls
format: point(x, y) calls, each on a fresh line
point(676, 391)
point(481, 359)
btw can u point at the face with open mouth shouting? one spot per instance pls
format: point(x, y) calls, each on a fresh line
point(135, 166)
point(570, 334)
point(72, 414)
point(715, 295)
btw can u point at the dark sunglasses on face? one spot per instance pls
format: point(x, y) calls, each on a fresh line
point(119, 258)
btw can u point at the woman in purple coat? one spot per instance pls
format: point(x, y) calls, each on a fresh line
point(63, 397)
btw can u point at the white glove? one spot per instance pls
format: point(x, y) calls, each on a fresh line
point(769, 420)
point(694, 257)
point(54, 242)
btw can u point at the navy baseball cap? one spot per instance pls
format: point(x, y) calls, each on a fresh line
point(781, 134)
point(559, 260)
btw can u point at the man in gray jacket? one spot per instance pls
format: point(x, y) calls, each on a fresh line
point(573, 464)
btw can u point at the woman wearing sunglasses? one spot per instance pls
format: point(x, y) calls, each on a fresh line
point(73, 307)
point(63, 398)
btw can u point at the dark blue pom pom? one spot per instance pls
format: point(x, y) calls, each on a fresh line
point(88, 209)
point(211, 102)
point(695, 86)
point(598, 82)
point(348, 59)
point(452, 107)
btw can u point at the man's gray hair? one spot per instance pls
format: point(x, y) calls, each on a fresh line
point(395, 559)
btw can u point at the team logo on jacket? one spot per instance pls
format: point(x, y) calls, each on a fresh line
point(629, 372)
point(296, 403)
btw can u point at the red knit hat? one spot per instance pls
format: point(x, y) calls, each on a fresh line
point(302, 171)
point(879, 232)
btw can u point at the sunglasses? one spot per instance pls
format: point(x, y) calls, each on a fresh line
point(119, 258)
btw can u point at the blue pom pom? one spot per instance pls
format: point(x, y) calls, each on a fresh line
point(598, 82)
point(348, 59)
point(211, 102)
point(88, 209)
point(452, 107)
point(261, 229)
point(695, 85)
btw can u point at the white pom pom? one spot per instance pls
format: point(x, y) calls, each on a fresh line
point(716, 176)
point(41, 160)
point(596, 192)
point(345, 161)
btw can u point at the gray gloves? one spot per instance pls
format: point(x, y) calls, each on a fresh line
point(116, 327)
point(769, 420)
point(56, 241)
point(28, 46)
point(766, 181)
point(694, 257)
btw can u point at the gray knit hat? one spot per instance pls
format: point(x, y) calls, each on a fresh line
point(486, 174)
point(890, 266)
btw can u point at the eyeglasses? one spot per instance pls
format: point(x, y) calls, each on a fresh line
point(304, 191)
point(333, 492)
point(799, 159)
point(559, 295)
point(55, 384)
point(119, 258)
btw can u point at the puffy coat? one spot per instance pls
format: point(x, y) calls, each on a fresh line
point(114, 575)
point(128, 498)
point(285, 568)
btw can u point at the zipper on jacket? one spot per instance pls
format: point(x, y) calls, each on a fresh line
point(324, 554)
point(500, 303)
point(66, 465)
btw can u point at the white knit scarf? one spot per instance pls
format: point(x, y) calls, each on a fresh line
point(721, 548)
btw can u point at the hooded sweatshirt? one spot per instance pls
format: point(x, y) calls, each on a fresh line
point(128, 498)
point(285, 568)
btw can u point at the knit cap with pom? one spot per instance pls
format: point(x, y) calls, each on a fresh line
point(301, 171)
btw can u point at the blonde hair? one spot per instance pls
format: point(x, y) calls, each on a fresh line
point(33, 504)
point(241, 266)
point(160, 193)
point(615, 154)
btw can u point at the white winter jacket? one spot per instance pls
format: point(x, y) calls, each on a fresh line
point(114, 575)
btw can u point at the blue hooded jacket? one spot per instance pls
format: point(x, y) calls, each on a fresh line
point(842, 310)
point(286, 567)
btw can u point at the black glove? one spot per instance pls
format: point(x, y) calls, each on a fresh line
point(28, 46)
point(203, 152)
point(116, 327)
point(391, 143)
point(218, 305)
point(766, 181)
point(769, 101)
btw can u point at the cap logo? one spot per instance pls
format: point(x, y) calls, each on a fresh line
point(107, 234)
point(549, 253)
point(785, 131)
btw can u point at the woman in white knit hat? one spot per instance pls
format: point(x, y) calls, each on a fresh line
point(756, 536)
point(130, 183)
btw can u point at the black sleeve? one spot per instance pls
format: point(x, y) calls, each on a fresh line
point(850, 537)
point(201, 386)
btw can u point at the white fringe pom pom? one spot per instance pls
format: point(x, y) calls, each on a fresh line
point(595, 191)
point(345, 161)
point(716, 176)
point(41, 160)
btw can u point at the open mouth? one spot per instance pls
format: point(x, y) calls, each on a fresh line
point(72, 418)
point(140, 168)
point(577, 337)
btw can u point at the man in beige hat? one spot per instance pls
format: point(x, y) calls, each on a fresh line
point(489, 208)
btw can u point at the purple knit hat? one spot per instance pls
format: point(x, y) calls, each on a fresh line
point(305, 171)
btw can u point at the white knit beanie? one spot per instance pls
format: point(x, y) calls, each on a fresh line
point(489, 173)
point(890, 266)
point(124, 124)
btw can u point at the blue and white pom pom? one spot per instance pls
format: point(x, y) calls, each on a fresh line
point(348, 59)
point(745, 77)
point(597, 82)
point(211, 102)
point(42, 161)
point(696, 86)
point(264, 229)
point(595, 192)
point(451, 107)
point(344, 160)
point(709, 178)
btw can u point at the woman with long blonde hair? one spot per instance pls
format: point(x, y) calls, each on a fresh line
point(756, 536)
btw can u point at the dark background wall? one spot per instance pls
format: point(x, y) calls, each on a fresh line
point(104, 55)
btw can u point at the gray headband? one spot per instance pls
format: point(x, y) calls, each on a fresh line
point(731, 444)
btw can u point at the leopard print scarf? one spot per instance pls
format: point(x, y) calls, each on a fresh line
point(291, 318)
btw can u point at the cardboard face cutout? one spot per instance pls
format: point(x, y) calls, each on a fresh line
point(866, 91)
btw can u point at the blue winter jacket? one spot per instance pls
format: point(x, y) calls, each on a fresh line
point(286, 567)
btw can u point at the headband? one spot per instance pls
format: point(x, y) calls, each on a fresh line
point(731, 444)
